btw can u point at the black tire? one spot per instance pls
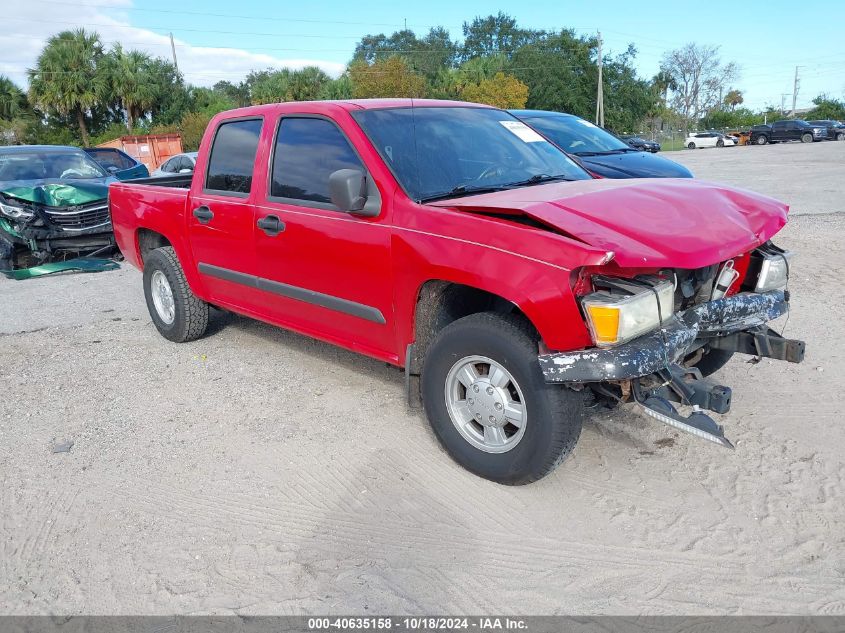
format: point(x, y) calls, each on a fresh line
point(691, 145)
point(713, 360)
point(6, 264)
point(840, 136)
point(720, 143)
point(190, 313)
point(806, 138)
point(762, 140)
point(556, 413)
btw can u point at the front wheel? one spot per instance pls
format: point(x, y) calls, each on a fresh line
point(489, 405)
point(720, 143)
point(762, 140)
point(690, 145)
point(840, 136)
point(712, 361)
point(806, 138)
point(177, 313)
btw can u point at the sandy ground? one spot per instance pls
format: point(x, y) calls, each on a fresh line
point(257, 471)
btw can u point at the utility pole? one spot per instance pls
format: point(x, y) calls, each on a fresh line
point(795, 90)
point(783, 97)
point(600, 94)
point(173, 48)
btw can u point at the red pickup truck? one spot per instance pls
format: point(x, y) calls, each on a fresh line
point(453, 241)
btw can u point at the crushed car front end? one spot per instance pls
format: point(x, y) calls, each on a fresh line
point(49, 222)
point(651, 330)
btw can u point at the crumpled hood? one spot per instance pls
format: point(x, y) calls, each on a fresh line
point(634, 165)
point(679, 223)
point(56, 192)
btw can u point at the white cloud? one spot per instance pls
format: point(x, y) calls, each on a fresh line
point(28, 25)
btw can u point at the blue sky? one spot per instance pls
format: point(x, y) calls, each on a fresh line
point(219, 39)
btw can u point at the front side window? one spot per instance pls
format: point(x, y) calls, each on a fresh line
point(308, 151)
point(441, 152)
point(233, 156)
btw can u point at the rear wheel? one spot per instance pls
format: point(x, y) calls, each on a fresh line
point(177, 313)
point(807, 138)
point(690, 145)
point(762, 140)
point(489, 405)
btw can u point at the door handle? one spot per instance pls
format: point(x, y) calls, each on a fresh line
point(203, 214)
point(271, 225)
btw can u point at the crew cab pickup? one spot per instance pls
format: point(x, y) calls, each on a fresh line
point(789, 130)
point(453, 241)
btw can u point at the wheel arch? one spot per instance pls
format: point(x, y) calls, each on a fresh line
point(147, 240)
point(440, 302)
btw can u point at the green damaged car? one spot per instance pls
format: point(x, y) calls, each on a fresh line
point(53, 207)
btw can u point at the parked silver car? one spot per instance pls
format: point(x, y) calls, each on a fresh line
point(178, 164)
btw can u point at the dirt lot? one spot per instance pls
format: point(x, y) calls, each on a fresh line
point(257, 471)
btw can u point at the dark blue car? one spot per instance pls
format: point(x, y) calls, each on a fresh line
point(599, 151)
point(118, 163)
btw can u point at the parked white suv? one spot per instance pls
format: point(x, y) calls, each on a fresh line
point(708, 139)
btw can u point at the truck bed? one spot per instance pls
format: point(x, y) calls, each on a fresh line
point(149, 205)
point(177, 181)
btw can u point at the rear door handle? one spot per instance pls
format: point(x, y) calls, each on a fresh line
point(203, 214)
point(271, 225)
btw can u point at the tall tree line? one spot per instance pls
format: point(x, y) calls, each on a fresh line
point(81, 92)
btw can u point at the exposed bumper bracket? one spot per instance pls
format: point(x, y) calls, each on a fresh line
point(763, 342)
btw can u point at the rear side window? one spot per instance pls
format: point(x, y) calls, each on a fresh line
point(307, 152)
point(233, 156)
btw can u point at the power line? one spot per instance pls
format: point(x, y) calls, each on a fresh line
point(227, 15)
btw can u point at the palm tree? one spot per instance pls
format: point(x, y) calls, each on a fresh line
point(12, 99)
point(129, 81)
point(66, 78)
point(663, 82)
point(733, 99)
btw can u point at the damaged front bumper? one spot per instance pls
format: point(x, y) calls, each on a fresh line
point(650, 369)
point(55, 235)
point(718, 323)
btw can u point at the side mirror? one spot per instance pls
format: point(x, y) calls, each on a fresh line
point(348, 189)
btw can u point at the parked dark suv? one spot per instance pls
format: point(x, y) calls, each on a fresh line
point(835, 129)
point(788, 130)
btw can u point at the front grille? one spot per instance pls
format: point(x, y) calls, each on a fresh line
point(81, 217)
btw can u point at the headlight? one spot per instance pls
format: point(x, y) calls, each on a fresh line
point(615, 319)
point(14, 212)
point(774, 270)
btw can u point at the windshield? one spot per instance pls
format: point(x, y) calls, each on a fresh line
point(577, 136)
point(439, 152)
point(40, 165)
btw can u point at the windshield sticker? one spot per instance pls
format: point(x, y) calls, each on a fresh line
point(524, 132)
point(587, 123)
